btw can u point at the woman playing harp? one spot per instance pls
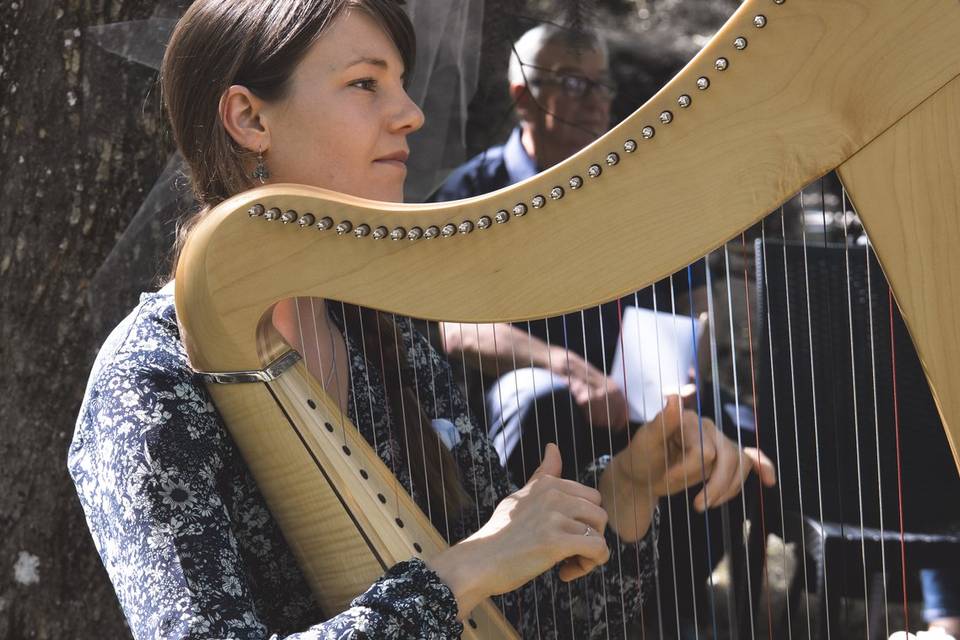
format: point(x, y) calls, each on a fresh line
point(312, 92)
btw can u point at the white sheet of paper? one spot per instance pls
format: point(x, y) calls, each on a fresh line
point(657, 352)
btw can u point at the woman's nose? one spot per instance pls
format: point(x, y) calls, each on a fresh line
point(409, 117)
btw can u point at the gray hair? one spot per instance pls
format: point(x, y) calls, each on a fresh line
point(525, 49)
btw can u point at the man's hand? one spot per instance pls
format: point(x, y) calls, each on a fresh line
point(598, 395)
point(602, 402)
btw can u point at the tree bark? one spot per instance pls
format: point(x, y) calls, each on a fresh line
point(81, 143)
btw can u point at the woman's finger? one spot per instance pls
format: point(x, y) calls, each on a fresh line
point(763, 465)
point(584, 514)
point(701, 438)
point(725, 478)
point(586, 551)
point(576, 567)
point(568, 487)
point(687, 472)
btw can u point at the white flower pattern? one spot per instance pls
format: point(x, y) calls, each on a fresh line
point(193, 551)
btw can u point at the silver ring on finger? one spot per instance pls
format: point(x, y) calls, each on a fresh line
point(588, 531)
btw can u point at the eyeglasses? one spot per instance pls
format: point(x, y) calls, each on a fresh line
point(573, 85)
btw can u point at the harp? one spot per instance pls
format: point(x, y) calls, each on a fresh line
point(786, 91)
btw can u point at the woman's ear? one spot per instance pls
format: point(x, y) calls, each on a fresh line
point(240, 114)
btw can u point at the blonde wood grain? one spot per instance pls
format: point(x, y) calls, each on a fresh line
point(320, 533)
point(281, 431)
point(906, 184)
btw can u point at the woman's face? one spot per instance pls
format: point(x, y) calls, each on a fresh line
point(344, 122)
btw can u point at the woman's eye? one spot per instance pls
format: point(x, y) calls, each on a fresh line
point(367, 84)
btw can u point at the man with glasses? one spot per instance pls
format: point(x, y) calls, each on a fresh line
point(561, 88)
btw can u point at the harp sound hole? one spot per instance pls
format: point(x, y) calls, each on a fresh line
point(381, 498)
point(328, 426)
point(417, 547)
point(346, 449)
point(363, 474)
point(473, 623)
point(399, 523)
point(311, 404)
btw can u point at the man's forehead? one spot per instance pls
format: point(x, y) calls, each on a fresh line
point(566, 57)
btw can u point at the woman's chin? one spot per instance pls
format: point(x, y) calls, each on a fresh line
point(392, 192)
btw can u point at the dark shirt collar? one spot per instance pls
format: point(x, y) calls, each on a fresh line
point(518, 162)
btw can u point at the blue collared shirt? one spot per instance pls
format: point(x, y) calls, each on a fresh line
point(493, 169)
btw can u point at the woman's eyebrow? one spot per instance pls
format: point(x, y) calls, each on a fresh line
point(377, 62)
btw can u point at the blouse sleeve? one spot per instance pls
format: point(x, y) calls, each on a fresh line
point(157, 476)
point(603, 604)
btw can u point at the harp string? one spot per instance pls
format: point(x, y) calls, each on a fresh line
point(756, 423)
point(523, 463)
point(633, 488)
point(536, 395)
point(666, 457)
point(566, 346)
point(576, 463)
point(643, 404)
point(609, 430)
point(436, 416)
point(366, 376)
point(686, 478)
point(533, 383)
point(350, 382)
point(513, 358)
point(393, 444)
point(732, 621)
point(776, 422)
point(703, 465)
point(856, 415)
point(896, 422)
point(835, 405)
point(403, 409)
point(793, 397)
point(466, 400)
point(813, 389)
point(420, 426)
point(502, 423)
point(556, 433)
point(876, 424)
point(736, 404)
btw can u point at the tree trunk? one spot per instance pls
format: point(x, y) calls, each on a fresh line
point(81, 143)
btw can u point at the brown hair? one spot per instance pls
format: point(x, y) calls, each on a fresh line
point(258, 44)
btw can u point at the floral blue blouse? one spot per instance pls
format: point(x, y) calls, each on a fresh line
point(193, 551)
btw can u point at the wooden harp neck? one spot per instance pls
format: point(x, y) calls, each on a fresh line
point(814, 85)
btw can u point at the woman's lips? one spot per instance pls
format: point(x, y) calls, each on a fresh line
point(397, 158)
point(399, 164)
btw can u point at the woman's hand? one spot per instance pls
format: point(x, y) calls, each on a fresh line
point(539, 526)
point(672, 452)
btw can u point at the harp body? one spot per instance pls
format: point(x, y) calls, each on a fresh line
point(869, 87)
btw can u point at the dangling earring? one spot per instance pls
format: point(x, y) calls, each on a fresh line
point(260, 171)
